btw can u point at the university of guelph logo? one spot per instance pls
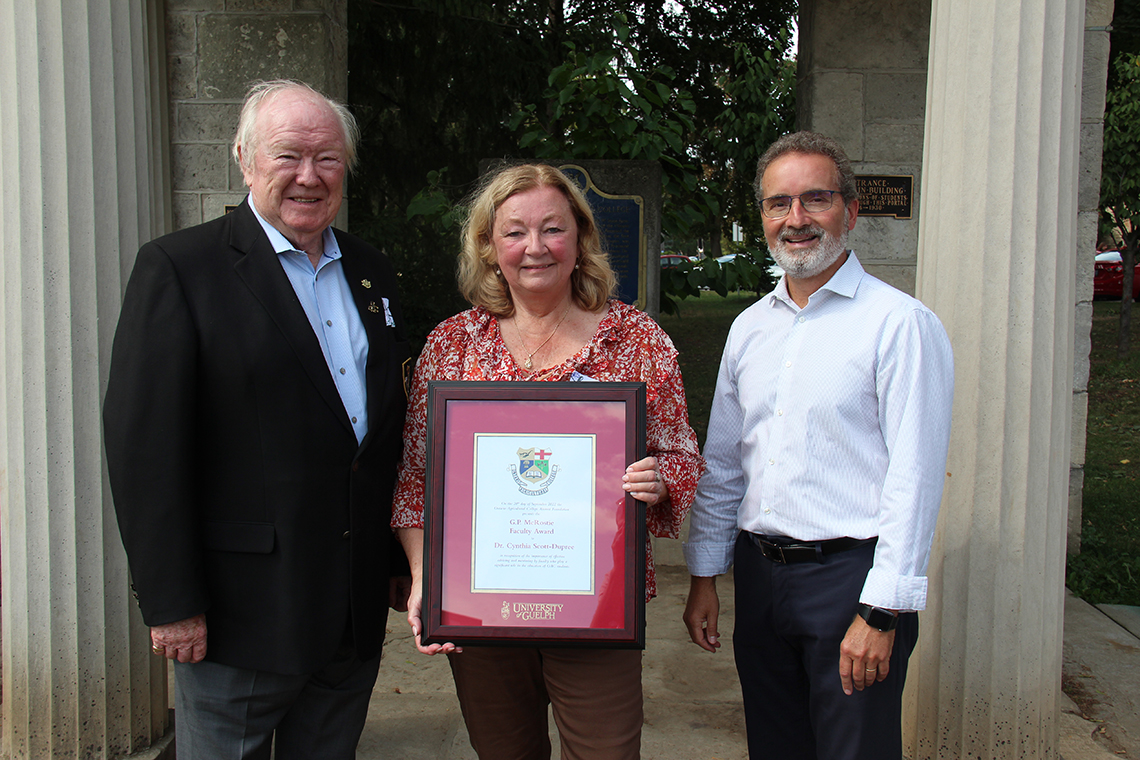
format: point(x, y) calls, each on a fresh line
point(535, 472)
point(534, 465)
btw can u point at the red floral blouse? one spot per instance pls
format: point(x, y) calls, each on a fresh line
point(628, 347)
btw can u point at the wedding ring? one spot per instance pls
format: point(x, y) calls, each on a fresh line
point(156, 649)
point(871, 670)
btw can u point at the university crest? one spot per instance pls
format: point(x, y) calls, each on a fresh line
point(534, 465)
point(535, 471)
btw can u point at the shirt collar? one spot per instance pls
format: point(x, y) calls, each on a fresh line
point(846, 279)
point(844, 282)
point(281, 244)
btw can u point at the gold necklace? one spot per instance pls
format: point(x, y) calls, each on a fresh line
point(527, 362)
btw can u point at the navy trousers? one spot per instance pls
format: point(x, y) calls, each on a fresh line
point(790, 621)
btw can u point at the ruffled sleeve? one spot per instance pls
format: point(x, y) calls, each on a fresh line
point(632, 347)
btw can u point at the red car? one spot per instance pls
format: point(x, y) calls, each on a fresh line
point(1108, 278)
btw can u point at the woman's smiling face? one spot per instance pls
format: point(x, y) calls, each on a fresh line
point(535, 237)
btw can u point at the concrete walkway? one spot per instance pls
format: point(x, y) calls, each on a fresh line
point(1101, 677)
point(692, 698)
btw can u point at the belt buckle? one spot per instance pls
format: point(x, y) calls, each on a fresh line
point(773, 552)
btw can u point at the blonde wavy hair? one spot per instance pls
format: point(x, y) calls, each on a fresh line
point(591, 284)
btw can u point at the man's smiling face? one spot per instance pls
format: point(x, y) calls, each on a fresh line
point(296, 172)
point(802, 243)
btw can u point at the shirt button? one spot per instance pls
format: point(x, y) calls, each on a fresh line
point(342, 370)
point(771, 461)
point(353, 420)
point(779, 412)
point(787, 364)
point(801, 320)
point(767, 511)
point(328, 322)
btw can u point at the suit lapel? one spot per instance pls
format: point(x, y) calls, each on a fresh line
point(262, 274)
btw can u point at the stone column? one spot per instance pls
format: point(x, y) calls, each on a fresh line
point(996, 262)
point(80, 169)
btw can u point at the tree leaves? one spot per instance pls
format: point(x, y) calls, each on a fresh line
point(448, 83)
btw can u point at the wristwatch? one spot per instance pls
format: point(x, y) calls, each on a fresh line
point(878, 618)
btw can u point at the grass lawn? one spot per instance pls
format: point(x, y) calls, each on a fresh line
point(1108, 568)
point(699, 335)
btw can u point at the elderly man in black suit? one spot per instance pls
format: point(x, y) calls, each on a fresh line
point(253, 424)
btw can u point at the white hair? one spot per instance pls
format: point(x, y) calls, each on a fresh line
point(246, 139)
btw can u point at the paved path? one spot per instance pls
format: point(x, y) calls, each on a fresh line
point(1102, 673)
point(692, 698)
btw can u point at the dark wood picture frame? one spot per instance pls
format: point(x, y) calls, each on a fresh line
point(597, 596)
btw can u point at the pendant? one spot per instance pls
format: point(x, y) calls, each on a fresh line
point(528, 363)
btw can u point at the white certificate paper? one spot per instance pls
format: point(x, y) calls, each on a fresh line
point(533, 515)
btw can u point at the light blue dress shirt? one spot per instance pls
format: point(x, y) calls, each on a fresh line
point(332, 312)
point(829, 421)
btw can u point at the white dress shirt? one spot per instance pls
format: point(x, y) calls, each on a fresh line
point(829, 421)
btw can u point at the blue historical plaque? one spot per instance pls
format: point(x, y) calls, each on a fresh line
point(621, 221)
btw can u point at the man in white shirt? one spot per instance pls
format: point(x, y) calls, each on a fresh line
point(826, 456)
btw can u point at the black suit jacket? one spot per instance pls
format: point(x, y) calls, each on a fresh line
point(239, 486)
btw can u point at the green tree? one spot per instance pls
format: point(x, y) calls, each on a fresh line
point(1120, 177)
point(760, 107)
point(431, 83)
point(605, 104)
point(441, 84)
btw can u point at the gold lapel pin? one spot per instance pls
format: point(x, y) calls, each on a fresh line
point(372, 307)
point(366, 283)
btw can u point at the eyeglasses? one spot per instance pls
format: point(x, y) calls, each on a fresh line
point(815, 201)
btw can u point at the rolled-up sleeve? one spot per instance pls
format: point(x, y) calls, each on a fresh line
point(915, 383)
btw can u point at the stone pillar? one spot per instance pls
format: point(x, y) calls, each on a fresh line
point(216, 50)
point(861, 79)
point(1098, 16)
point(996, 263)
point(80, 168)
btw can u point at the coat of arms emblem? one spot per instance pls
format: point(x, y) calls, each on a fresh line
point(534, 465)
point(535, 471)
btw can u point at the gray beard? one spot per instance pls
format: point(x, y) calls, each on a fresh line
point(809, 263)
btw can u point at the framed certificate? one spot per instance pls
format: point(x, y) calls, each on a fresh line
point(529, 538)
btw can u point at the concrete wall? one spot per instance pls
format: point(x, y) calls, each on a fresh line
point(215, 50)
point(862, 80)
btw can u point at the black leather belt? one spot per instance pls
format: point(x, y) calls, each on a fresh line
point(788, 551)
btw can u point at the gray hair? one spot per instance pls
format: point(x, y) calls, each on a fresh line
point(811, 144)
point(248, 136)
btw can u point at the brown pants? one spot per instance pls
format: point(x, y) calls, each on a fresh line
point(595, 693)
